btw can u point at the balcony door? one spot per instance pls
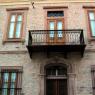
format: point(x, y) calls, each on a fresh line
point(55, 23)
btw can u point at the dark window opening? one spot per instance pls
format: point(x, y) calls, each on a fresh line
point(56, 71)
point(55, 14)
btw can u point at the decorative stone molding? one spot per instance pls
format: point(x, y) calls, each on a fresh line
point(70, 72)
point(14, 52)
point(54, 61)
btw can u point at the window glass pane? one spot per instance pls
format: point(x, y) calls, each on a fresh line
point(6, 77)
point(5, 85)
point(11, 91)
point(92, 23)
point(55, 13)
point(19, 18)
point(12, 85)
point(51, 71)
point(18, 29)
point(62, 71)
point(91, 15)
point(13, 77)
point(4, 91)
point(59, 27)
point(56, 70)
point(51, 24)
point(11, 30)
point(13, 18)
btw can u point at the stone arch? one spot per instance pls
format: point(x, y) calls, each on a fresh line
point(55, 61)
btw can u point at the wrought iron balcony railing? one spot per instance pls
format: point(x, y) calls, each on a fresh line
point(58, 37)
point(62, 41)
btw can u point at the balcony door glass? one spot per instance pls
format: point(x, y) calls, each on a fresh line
point(51, 32)
point(59, 28)
point(55, 23)
point(55, 33)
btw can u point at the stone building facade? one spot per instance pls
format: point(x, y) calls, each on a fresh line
point(14, 55)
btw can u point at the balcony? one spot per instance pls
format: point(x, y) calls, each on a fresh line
point(63, 41)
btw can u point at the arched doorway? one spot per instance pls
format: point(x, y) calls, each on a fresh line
point(56, 79)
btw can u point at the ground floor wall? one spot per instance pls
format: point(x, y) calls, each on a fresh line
point(33, 71)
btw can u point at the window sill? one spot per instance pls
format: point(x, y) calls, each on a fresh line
point(13, 40)
point(91, 39)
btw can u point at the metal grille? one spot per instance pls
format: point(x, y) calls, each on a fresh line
point(69, 37)
point(10, 81)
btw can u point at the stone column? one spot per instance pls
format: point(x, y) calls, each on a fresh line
point(42, 85)
point(71, 84)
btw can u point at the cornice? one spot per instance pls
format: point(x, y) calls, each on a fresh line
point(28, 2)
point(14, 52)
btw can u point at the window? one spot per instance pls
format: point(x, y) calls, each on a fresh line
point(15, 30)
point(93, 78)
point(91, 16)
point(15, 25)
point(56, 71)
point(10, 81)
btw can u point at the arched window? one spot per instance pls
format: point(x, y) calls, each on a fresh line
point(56, 71)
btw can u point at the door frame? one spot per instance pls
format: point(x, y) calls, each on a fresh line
point(52, 18)
point(56, 85)
point(52, 77)
point(70, 73)
point(56, 77)
point(56, 8)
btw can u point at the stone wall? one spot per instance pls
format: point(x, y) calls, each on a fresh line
point(75, 19)
point(31, 76)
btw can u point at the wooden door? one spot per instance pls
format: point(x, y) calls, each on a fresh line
point(56, 35)
point(56, 87)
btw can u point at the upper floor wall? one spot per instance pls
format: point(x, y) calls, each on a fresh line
point(75, 17)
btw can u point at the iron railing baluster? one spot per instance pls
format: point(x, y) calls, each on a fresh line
point(70, 36)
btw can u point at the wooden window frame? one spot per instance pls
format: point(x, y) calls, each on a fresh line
point(89, 22)
point(23, 12)
point(15, 13)
point(89, 32)
point(10, 70)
